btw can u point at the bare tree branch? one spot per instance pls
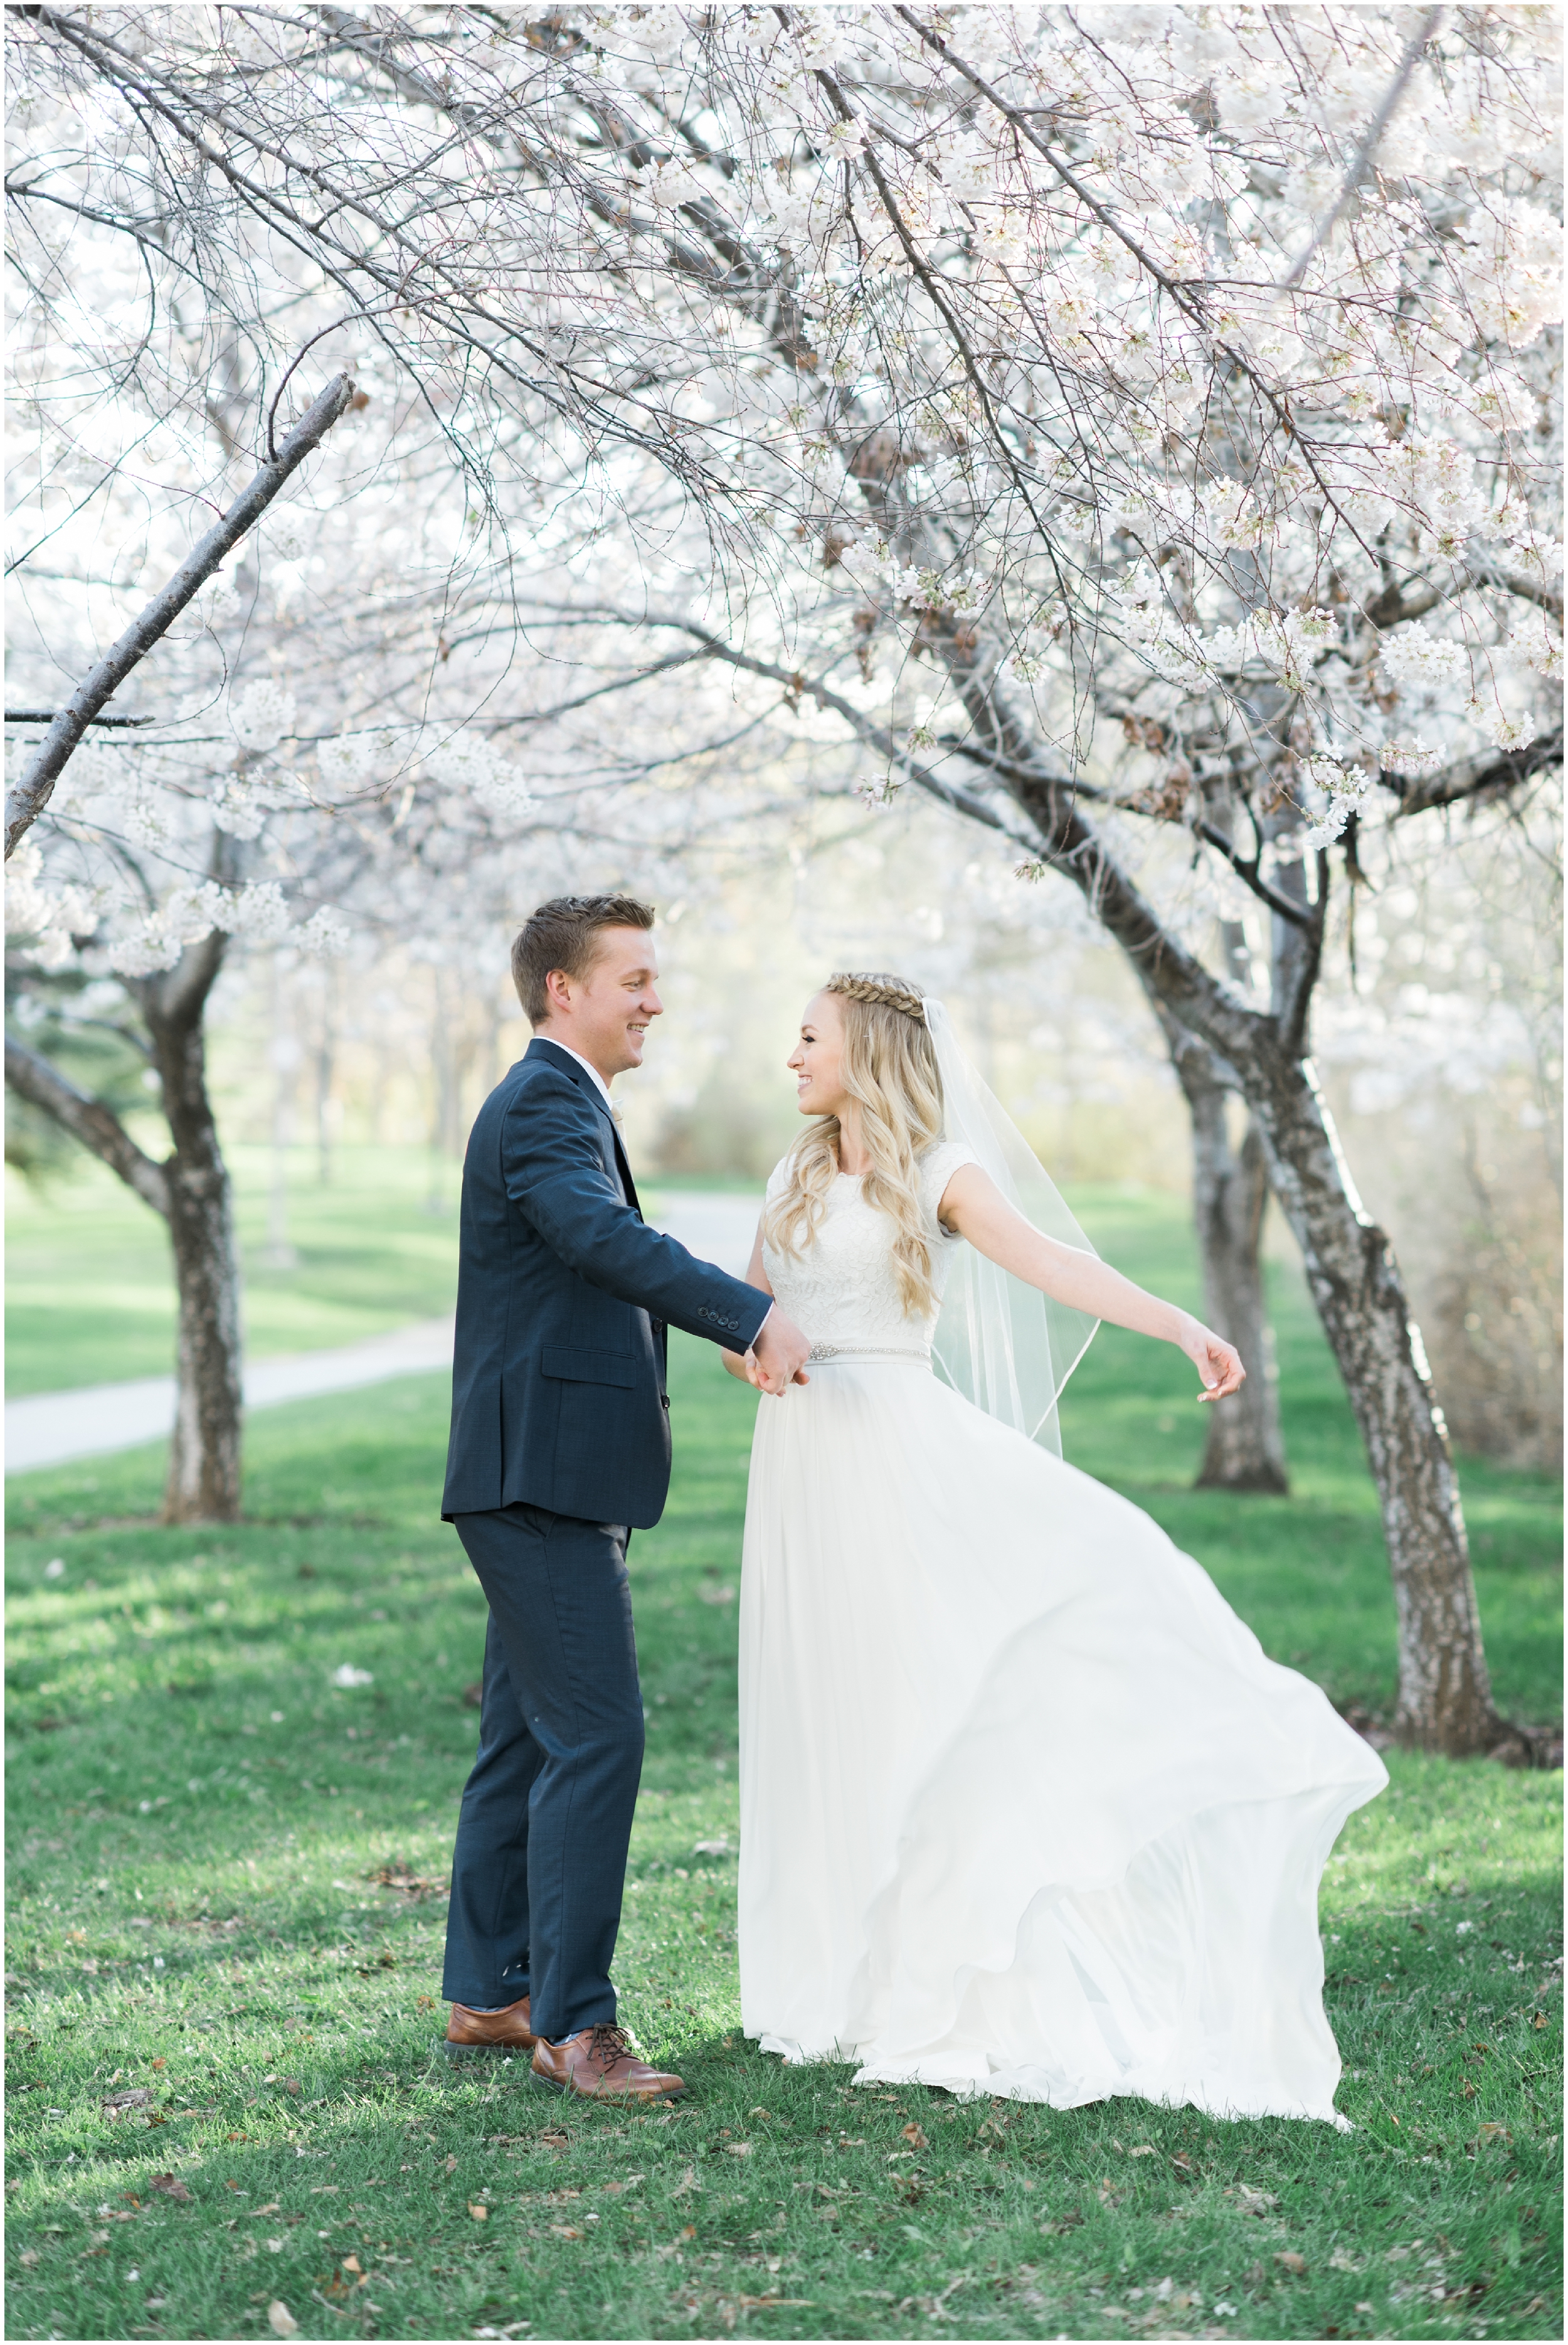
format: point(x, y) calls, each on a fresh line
point(87, 1119)
point(1528, 590)
point(799, 686)
point(32, 794)
point(1364, 155)
point(1471, 777)
point(51, 716)
point(1245, 866)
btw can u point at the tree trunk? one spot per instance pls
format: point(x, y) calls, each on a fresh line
point(1444, 1689)
point(191, 1190)
point(1246, 1445)
point(1444, 1701)
point(204, 1458)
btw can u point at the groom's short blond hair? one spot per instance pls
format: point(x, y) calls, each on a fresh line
point(562, 935)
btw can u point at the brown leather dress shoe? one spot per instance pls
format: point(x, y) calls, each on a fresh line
point(491, 2031)
point(601, 2065)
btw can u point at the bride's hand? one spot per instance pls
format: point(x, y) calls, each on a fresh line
point(761, 1380)
point(1217, 1362)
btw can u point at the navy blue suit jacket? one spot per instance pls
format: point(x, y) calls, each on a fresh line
point(563, 1296)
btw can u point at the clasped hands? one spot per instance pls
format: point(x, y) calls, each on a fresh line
point(777, 1356)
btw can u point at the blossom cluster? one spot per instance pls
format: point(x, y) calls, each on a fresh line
point(1089, 317)
point(56, 921)
point(1094, 359)
point(473, 764)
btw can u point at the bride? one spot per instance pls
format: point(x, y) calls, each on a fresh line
point(1024, 1810)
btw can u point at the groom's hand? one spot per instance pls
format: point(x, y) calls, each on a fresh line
point(778, 1354)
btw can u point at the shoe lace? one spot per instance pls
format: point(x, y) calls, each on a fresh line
point(611, 2043)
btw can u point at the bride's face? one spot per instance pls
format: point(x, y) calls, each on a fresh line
point(814, 1062)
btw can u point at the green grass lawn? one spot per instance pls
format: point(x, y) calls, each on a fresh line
point(205, 1829)
point(88, 1294)
point(89, 1301)
point(88, 1297)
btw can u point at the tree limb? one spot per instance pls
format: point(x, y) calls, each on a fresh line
point(876, 737)
point(1528, 590)
point(1398, 602)
point(1171, 976)
point(87, 1119)
point(1414, 48)
point(51, 716)
point(1186, 296)
point(176, 999)
point(1489, 769)
point(1245, 866)
point(32, 792)
point(798, 686)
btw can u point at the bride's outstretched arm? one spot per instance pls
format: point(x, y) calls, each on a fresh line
point(974, 1206)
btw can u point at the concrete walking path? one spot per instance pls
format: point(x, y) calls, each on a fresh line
point(52, 1428)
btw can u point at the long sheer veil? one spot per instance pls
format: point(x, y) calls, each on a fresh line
point(1004, 1345)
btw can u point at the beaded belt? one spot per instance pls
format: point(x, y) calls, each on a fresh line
point(869, 1352)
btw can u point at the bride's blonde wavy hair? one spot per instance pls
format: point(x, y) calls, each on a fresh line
point(889, 1066)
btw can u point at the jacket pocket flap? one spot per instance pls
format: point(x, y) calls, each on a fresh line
point(588, 1367)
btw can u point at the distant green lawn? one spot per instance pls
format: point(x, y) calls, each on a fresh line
point(201, 1820)
point(89, 1301)
point(89, 1295)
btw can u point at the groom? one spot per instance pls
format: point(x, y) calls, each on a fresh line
point(560, 1448)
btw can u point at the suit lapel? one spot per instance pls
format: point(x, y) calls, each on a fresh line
point(595, 1098)
point(630, 1185)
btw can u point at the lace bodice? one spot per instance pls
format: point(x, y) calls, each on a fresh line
point(841, 1289)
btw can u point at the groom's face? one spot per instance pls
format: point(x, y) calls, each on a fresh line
point(605, 1014)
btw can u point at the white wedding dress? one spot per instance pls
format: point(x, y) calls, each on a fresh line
point(1024, 1810)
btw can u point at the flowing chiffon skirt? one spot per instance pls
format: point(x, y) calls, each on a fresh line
point(1025, 1810)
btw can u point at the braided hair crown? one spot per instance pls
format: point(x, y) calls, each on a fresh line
point(883, 992)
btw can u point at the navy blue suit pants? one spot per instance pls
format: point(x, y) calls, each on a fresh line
point(546, 1819)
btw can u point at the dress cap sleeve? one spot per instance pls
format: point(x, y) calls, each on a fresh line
point(937, 1167)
